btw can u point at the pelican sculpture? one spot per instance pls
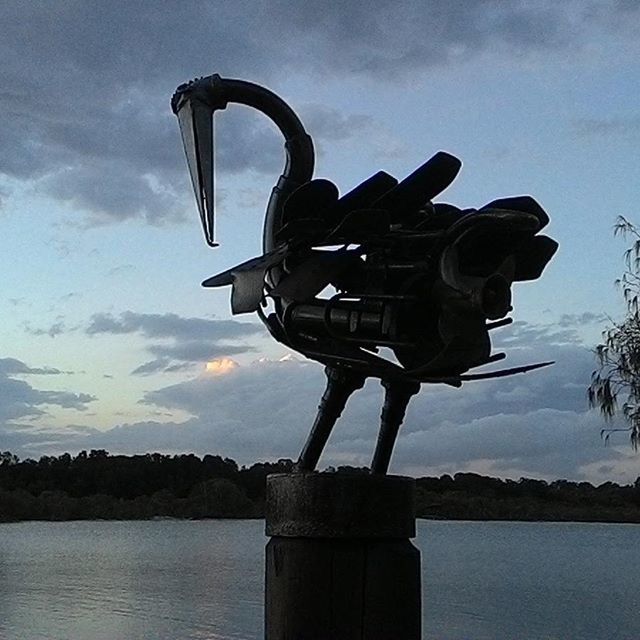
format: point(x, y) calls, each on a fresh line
point(427, 281)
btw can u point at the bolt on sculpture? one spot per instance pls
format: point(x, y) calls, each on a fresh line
point(427, 280)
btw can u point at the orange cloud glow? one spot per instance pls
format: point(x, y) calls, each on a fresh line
point(221, 366)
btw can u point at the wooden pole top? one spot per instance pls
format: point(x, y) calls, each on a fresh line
point(335, 505)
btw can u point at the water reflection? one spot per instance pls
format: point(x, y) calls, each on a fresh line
point(204, 580)
point(113, 580)
point(488, 580)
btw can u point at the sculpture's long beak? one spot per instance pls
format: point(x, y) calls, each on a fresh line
point(196, 126)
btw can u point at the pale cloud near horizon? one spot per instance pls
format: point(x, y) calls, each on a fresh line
point(534, 425)
point(184, 342)
point(20, 400)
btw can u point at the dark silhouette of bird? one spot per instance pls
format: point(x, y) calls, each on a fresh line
point(422, 280)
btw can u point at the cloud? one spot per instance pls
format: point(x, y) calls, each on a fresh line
point(171, 325)
point(330, 124)
point(20, 403)
point(131, 193)
point(153, 366)
point(198, 351)
point(184, 341)
point(524, 334)
point(56, 329)
point(85, 98)
point(12, 366)
point(86, 87)
point(32, 442)
point(568, 320)
point(18, 399)
point(534, 424)
point(392, 38)
point(622, 126)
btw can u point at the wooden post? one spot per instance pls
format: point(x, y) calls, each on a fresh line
point(340, 565)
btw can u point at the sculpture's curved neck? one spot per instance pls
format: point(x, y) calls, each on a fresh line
point(204, 96)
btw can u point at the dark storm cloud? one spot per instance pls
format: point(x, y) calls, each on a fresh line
point(190, 340)
point(86, 90)
point(85, 86)
point(386, 38)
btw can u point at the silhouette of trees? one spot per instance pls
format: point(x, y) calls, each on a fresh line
point(617, 378)
point(7, 458)
point(96, 485)
point(471, 496)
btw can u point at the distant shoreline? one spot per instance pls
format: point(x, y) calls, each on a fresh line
point(426, 518)
point(99, 486)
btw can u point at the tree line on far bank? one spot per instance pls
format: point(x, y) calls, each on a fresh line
point(97, 485)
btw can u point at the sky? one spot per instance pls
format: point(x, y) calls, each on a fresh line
point(109, 341)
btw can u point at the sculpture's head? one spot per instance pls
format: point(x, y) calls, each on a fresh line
point(195, 104)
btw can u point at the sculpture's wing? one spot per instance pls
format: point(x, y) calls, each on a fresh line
point(314, 274)
point(247, 279)
point(526, 204)
point(421, 186)
point(313, 212)
point(499, 373)
point(532, 257)
point(360, 226)
point(310, 200)
point(364, 195)
point(502, 373)
point(331, 353)
point(459, 355)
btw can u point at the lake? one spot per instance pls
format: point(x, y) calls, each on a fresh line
point(172, 580)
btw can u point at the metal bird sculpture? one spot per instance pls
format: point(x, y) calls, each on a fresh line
point(426, 280)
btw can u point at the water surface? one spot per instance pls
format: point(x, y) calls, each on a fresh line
point(204, 579)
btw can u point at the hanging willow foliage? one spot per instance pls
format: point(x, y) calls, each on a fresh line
point(615, 385)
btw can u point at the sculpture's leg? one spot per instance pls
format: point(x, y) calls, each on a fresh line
point(396, 399)
point(341, 383)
